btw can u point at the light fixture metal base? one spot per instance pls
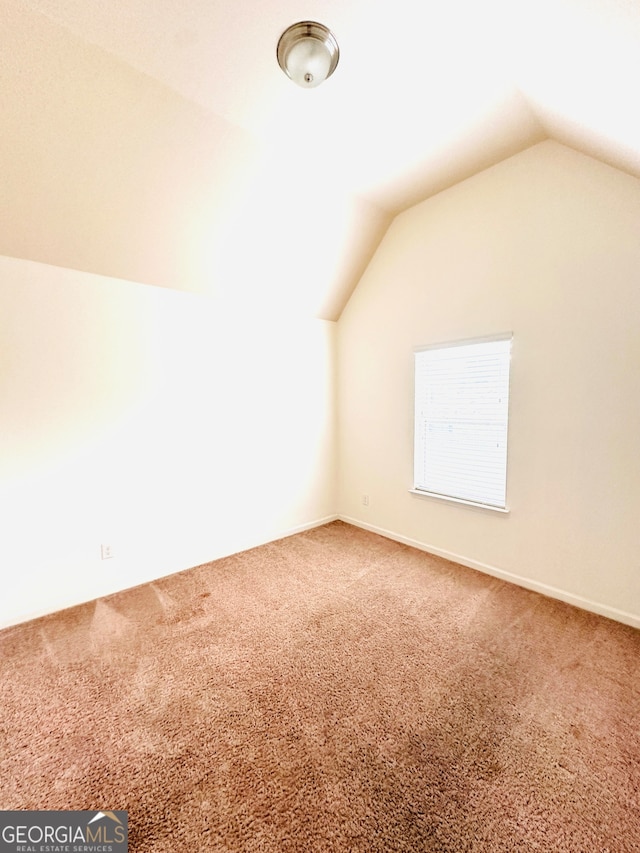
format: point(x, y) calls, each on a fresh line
point(298, 33)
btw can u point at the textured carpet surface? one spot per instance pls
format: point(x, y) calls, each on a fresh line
point(334, 691)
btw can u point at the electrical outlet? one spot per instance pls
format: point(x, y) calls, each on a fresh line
point(365, 500)
point(106, 552)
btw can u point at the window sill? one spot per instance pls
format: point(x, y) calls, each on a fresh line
point(448, 499)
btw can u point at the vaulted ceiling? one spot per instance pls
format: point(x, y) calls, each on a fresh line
point(159, 141)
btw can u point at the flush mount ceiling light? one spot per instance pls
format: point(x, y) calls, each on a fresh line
point(308, 53)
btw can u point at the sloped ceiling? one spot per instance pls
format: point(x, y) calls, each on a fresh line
point(158, 140)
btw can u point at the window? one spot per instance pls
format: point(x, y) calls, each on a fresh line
point(461, 416)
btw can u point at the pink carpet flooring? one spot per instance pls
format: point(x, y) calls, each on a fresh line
point(334, 691)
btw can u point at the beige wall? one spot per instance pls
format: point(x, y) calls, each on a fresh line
point(146, 418)
point(179, 431)
point(546, 245)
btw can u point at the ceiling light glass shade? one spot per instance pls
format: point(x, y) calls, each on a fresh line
point(308, 53)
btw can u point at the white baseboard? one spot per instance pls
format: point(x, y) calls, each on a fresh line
point(8, 621)
point(536, 586)
point(308, 526)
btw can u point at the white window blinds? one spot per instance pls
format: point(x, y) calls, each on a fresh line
point(461, 416)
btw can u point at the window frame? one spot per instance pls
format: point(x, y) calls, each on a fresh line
point(502, 508)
